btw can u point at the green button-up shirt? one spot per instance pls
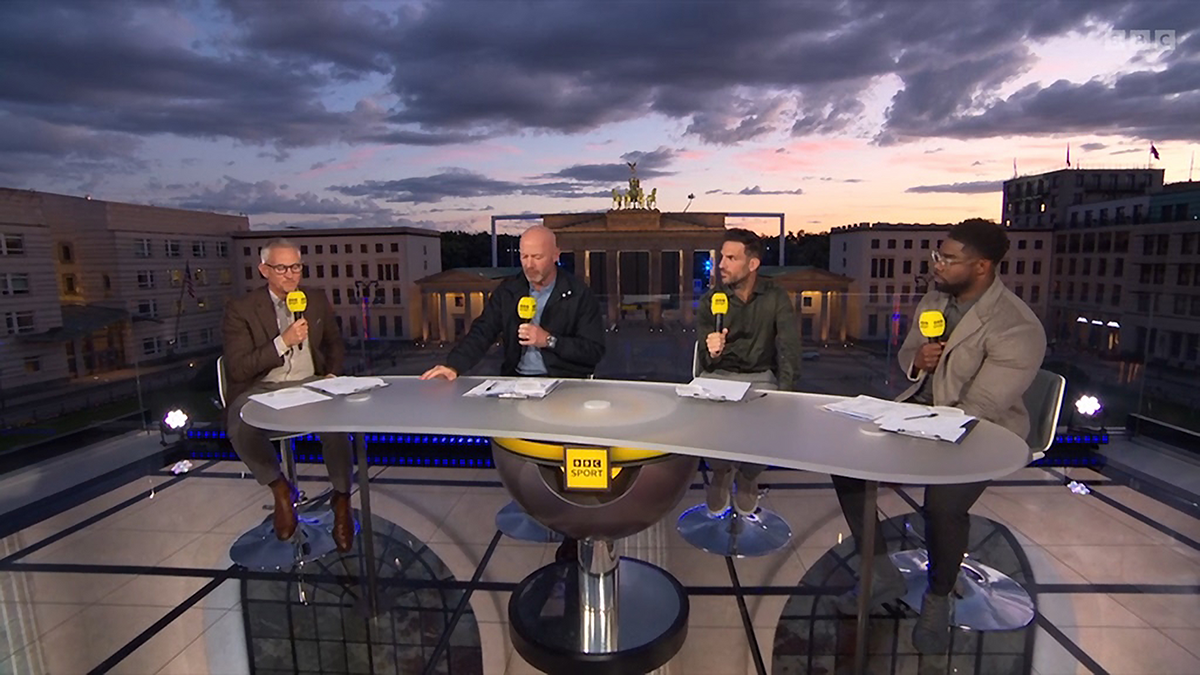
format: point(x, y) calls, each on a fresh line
point(762, 334)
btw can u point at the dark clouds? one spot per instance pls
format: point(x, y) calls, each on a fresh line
point(108, 75)
point(648, 165)
point(755, 191)
point(971, 188)
point(265, 197)
point(460, 184)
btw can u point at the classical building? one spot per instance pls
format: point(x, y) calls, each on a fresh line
point(890, 267)
point(1132, 288)
point(91, 286)
point(644, 266)
point(369, 274)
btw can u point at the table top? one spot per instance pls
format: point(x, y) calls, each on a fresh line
point(784, 429)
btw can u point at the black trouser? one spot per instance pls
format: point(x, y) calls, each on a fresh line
point(947, 525)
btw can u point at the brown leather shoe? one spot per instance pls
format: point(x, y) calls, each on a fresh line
point(285, 509)
point(343, 521)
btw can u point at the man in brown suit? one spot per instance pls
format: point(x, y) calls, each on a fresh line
point(266, 349)
point(987, 357)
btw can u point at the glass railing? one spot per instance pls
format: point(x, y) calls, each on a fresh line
point(849, 346)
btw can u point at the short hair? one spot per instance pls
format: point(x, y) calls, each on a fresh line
point(278, 242)
point(751, 240)
point(984, 237)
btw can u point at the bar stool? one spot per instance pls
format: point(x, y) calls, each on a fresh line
point(731, 533)
point(988, 599)
point(259, 548)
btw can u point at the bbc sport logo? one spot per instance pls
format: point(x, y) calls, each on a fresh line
point(1124, 40)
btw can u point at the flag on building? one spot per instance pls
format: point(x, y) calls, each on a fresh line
point(1154, 151)
point(187, 281)
point(1068, 154)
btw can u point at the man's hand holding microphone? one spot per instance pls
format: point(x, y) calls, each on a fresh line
point(933, 326)
point(297, 333)
point(716, 339)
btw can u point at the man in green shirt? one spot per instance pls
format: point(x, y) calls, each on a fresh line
point(758, 344)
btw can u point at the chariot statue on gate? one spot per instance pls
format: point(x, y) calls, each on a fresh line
point(634, 197)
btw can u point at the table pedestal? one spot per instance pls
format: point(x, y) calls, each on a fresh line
point(601, 615)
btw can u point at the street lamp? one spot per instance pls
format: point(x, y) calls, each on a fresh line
point(364, 286)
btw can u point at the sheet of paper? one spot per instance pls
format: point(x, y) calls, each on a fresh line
point(346, 384)
point(871, 408)
point(289, 398)
point(517, 387)
point(712, 389)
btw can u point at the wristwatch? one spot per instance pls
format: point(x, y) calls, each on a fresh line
point(551, 342)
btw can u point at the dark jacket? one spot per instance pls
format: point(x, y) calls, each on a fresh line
point(572, 315)
point(248, 333)
point(762, 334)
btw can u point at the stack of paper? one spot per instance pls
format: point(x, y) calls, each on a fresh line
point(289, 398)
point(517, 387)
point(339, 386)
point(941, 423)
point(712, 389)
point(871, 408)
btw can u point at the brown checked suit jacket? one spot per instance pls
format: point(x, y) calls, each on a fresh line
point(989, 360)
point(248, 333)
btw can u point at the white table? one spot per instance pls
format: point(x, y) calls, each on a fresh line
point(783, 429)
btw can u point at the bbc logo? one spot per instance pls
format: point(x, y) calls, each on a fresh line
point(1160, 40)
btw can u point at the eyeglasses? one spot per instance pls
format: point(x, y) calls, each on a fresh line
point(939, 259)
point(296, 268)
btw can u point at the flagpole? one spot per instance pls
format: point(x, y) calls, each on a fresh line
point(1190, 164)
point(187, 272)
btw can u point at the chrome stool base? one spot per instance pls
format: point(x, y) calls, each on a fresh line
point(733, 535)
point(260, 549)
point(514, 522)
point(987, 599)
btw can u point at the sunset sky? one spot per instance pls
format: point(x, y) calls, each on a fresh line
point(443, 113)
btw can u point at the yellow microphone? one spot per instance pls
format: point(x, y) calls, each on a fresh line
point(527, 307)
point(932, 324)
point(297, 302)
point(720, 307)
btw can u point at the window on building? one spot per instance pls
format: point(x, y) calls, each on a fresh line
point(396, 249)
point(333, 248)
point(379, 247)
point(320, 249)
point(14, 283)
point(362, 248)
point(337, 295)
point(151, 346)
point(199, 249)
point(65, 254)
point(173, 248)
point(1037, 266)
point(69, 285)
point(874, 243)
point(1035, 293)
point(320, 271)
point(395, 295)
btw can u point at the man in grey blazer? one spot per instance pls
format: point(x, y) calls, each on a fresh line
point(987, 357)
